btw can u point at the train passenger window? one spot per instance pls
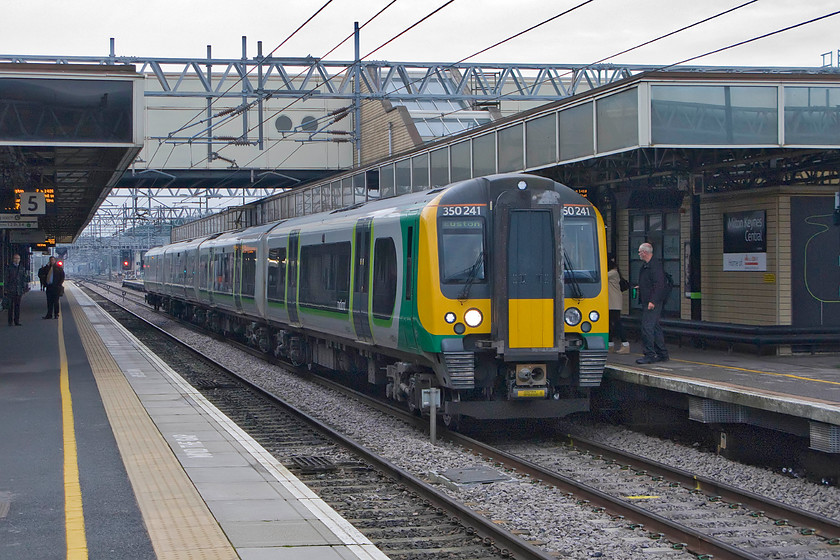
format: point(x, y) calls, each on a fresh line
point(462, 250)
point(249, 272)
point(202, 271)
point(384, 277)
point(325, 276)
point(277, 275)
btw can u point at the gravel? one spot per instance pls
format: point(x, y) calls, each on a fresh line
point(537, 512)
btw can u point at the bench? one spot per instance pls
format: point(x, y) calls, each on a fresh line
point(760, 336)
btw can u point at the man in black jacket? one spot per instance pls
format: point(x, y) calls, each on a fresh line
point(52, 278)
point(16, 284)
point(652, 295)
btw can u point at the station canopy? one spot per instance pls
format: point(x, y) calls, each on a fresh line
point(69, 132)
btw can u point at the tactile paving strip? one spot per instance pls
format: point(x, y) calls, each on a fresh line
point(179, 524)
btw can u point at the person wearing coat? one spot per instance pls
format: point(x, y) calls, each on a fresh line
point(52, 280)
point(16, 284)
point(619, 342)
point(652, 293)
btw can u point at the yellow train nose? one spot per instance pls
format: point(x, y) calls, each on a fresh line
point(531, 323)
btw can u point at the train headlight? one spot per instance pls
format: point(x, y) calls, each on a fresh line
point(586, 326)
point(449, 317)
point(473, 317)
point(594, 316)
point(572, 316)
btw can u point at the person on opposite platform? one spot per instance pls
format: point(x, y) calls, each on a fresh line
point(52, 281)
point(16, 284)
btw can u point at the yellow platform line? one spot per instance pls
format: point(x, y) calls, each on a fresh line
point(180, 525)
point(735, 368)
point(74, 516)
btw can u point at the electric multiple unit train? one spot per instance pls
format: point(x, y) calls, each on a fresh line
point(493, 290)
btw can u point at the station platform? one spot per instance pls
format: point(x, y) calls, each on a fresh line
point(105, 452)
point(798, 394)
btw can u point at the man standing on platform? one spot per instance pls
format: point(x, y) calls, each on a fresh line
point(16, 284)
point(52, 278)
point(652, 299)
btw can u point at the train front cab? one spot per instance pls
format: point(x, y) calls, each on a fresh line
point(521, 331)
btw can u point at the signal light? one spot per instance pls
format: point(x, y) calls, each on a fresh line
point(60, 263)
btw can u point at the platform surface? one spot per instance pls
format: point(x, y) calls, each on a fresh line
point(105, 452)
point(806, 386)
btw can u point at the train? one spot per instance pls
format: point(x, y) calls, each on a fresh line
point(492, 290)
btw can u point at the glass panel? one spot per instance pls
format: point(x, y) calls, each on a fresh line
point(67, 110)
point(576, 132)
point(708, 115)
point(812, 115)
point(386, 180)
point(638, 223)
point(462, 250)
point(307, 201)
point(420, 172)
point(461, 162)
point(372, 183)
point(541, 141)
point(403, 176)
point(384, 291)
point(672, 221)
point(335, 187)
point(484, 155)
point(439, 167)
point(359, 191)
point(618, 121)
point(655, 222)
point(510, 149)
point(298, 210)
point(347, 197)
point(316, 200)
point(671, 246)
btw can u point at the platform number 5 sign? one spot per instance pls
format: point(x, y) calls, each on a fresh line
point(32, 203)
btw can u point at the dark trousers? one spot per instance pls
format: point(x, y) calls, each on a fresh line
point(14, 309)
point(653, 339)
point(616, 326)
point(52, 301)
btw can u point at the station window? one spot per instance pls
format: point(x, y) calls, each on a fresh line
point(662, 230)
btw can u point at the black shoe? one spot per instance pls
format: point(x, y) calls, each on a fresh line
point(662, 358)
point(56, 317)
point(646, 360)
point(47, 317)
point(17, 324)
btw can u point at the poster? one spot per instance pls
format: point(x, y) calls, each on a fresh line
point(745, 241)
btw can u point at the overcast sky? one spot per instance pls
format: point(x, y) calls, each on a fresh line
point(183, 28)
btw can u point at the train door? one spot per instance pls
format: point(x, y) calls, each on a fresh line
point(292, 290)
point(361, 280)
point(528, 315)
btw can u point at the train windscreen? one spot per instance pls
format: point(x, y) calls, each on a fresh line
point(462, 250)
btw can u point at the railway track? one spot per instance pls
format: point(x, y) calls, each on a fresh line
point(406, 517)
point(695, 513)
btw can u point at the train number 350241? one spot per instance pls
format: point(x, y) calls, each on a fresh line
point(461, 210)
point(576, 210)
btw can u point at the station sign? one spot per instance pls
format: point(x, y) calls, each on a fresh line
point(27, 236)
point(745, 241)
point(16, 221)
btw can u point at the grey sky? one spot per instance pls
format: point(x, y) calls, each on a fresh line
point(183, 28)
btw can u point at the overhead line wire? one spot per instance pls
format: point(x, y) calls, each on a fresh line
point(301, 26)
